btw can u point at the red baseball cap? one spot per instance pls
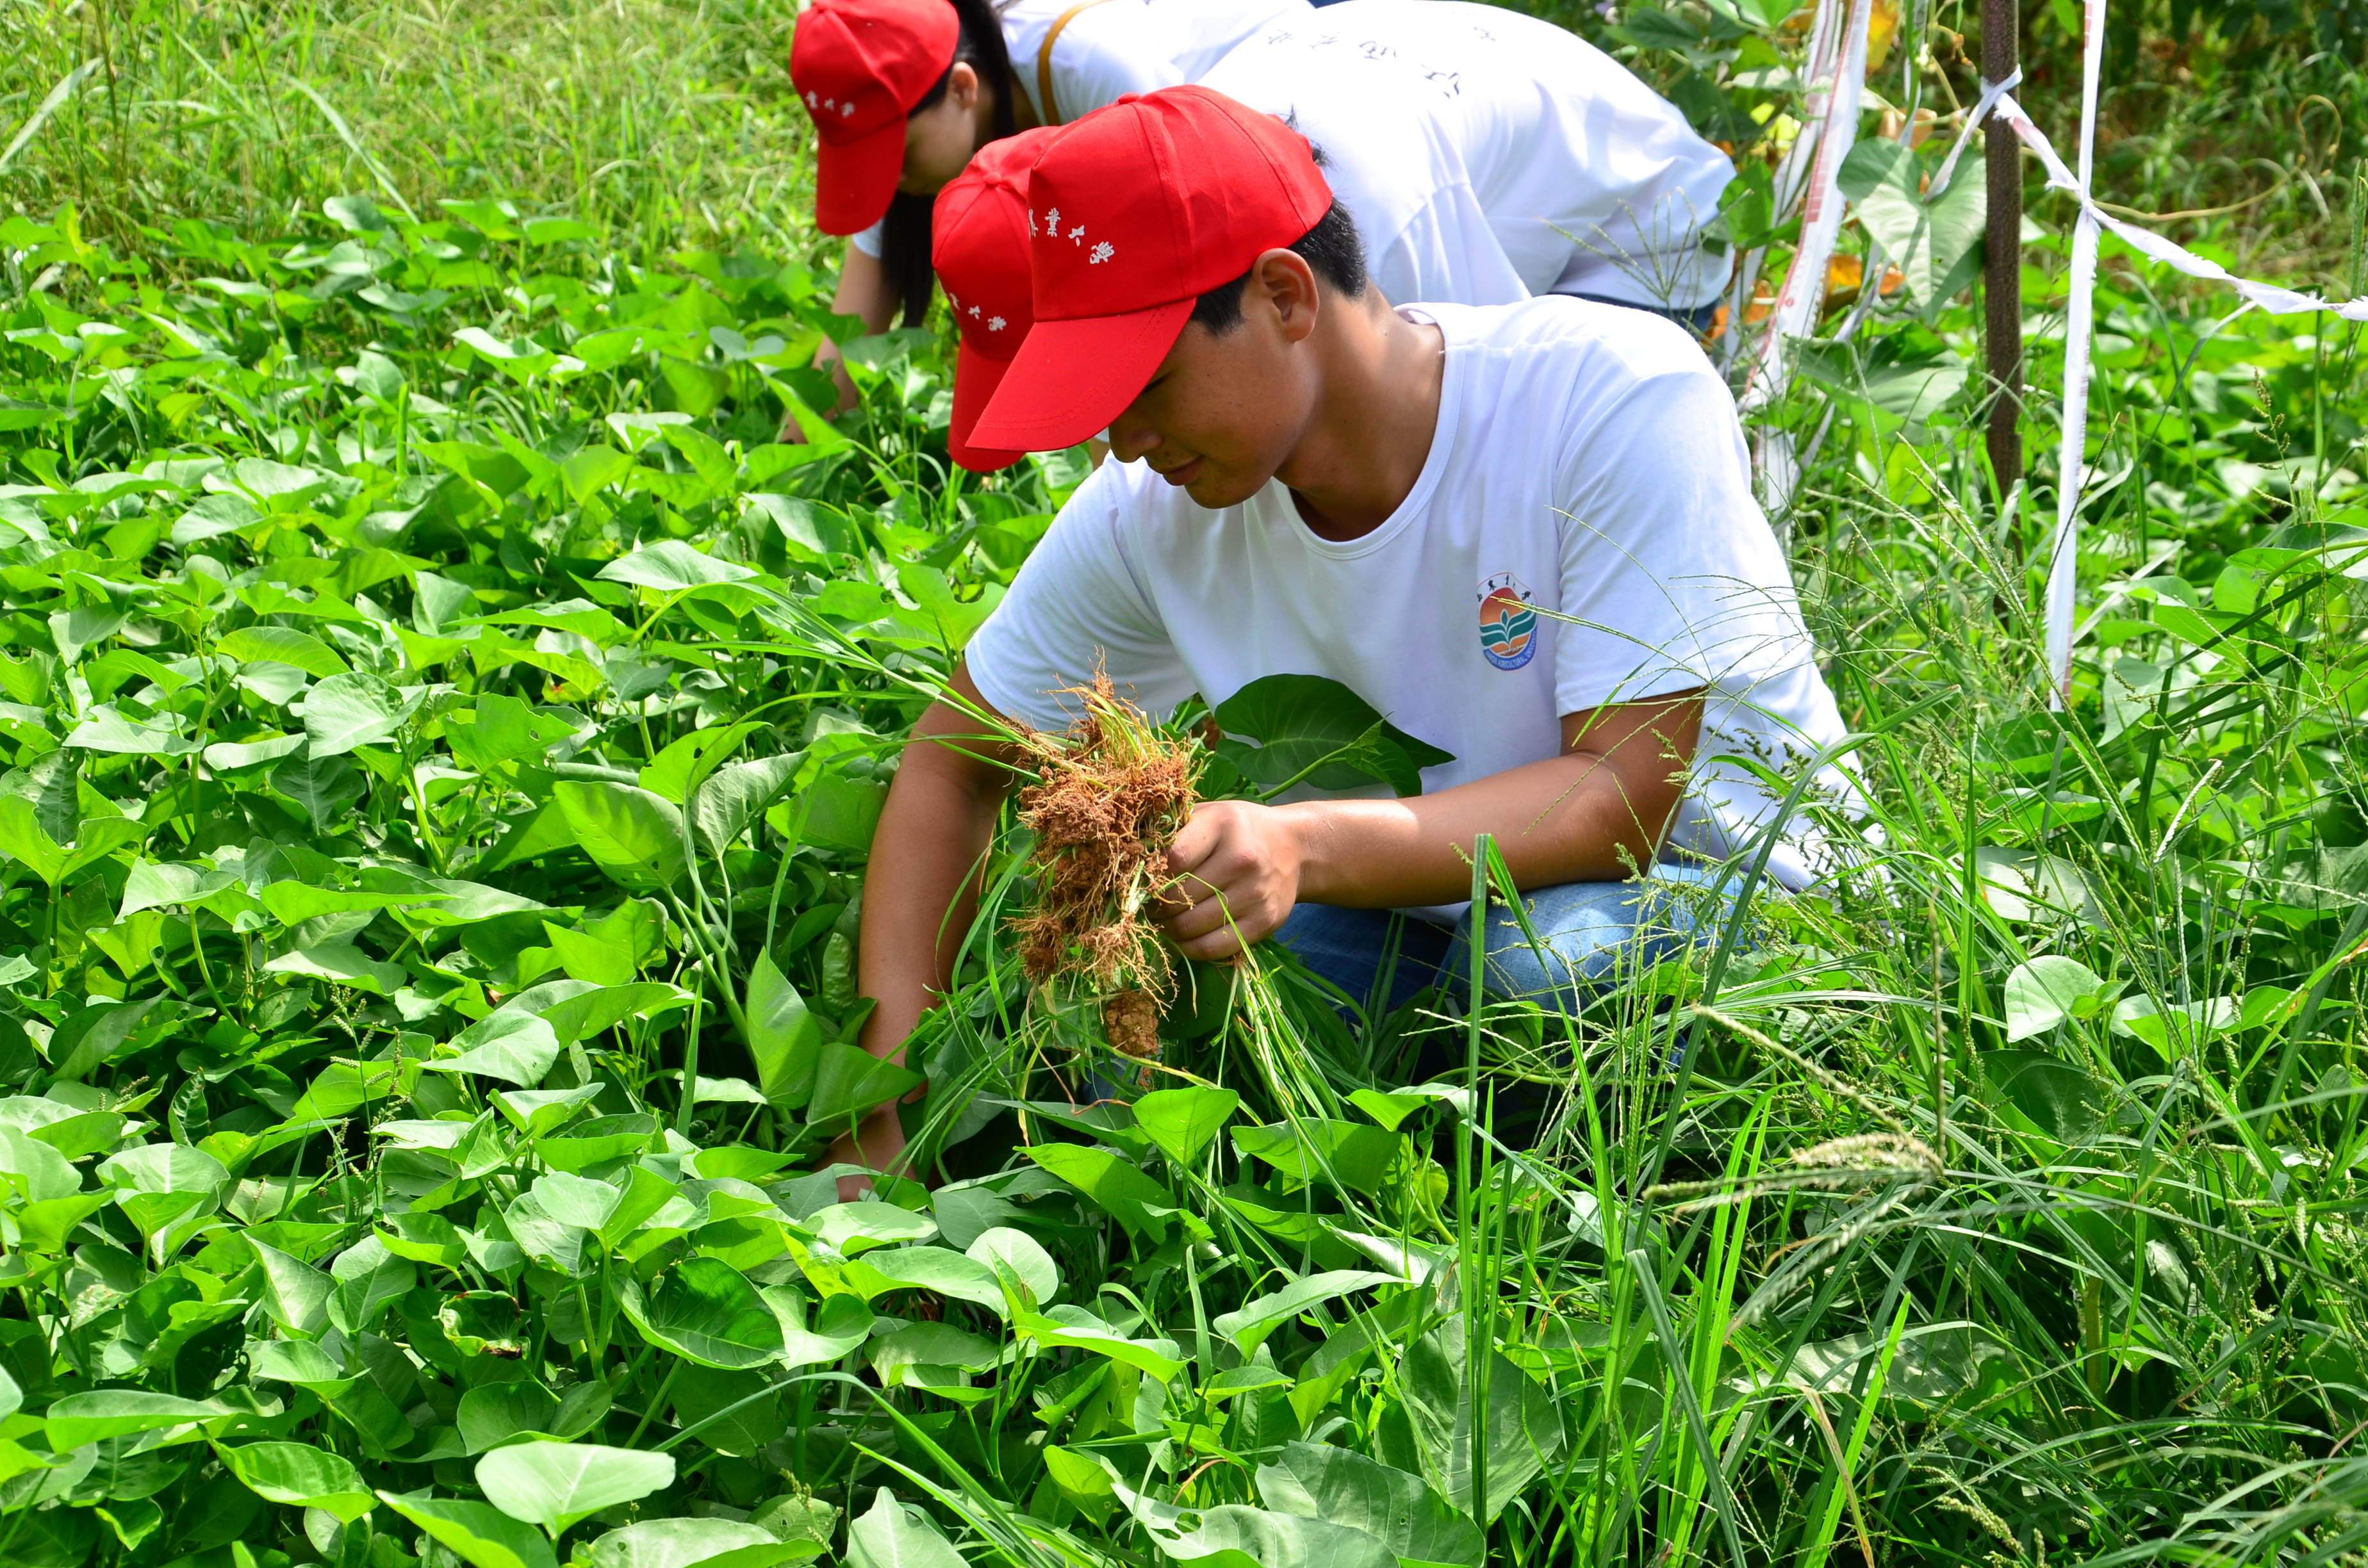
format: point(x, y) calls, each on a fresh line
point(860, 66)
point(1134, 212)
point(980, 249)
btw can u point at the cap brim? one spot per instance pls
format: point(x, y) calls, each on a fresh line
point(1071, 379)
point(855, 181)
point(975, 378)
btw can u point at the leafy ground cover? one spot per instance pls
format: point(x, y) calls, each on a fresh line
point(444, 728)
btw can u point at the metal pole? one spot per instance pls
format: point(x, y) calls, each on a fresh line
point(2002, 254)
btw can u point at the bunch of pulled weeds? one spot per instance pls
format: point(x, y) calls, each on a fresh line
point(1110, 796)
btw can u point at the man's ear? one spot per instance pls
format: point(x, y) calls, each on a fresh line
point(1281, 281)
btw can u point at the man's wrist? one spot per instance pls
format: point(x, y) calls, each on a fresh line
point(1304, 824)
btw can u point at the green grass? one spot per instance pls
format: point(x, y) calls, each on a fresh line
point(387, 585)
point(662, 124)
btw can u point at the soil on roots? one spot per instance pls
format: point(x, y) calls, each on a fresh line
point(1111, 796)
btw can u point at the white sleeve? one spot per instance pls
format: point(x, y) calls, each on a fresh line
point(1662, 541)
point(1078, 608)
point(1101, 56)
point(871, 241)
point(1445, 251)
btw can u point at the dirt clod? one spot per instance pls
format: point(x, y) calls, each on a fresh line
point(1130, 1018)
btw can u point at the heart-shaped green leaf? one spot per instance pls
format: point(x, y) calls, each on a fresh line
point(631, 834)
point(477, 1533)
point(355, 710)
point(704, 1310)
point(849, 1081)
point(555, 1484)
point(697, 1543)
point(1182, 1121)
point(302, 1476)
point(517, 1047)
point(80, 1418)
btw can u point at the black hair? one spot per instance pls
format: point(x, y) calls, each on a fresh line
point(905, 242)
point(1332, 251)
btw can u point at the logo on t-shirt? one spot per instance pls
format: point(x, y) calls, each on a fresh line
point(1508, 627)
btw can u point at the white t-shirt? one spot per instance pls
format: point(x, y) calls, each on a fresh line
point(1131, 46)
point(1488, 156)
point(1123, 46)
point(1587, 464)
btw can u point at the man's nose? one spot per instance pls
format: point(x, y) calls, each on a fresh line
point(1129, 441)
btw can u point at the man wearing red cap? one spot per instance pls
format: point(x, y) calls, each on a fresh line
point(1525, 533)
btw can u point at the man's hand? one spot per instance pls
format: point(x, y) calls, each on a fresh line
point(1235, 869)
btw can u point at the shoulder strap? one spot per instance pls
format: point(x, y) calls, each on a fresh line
point(1045, 60)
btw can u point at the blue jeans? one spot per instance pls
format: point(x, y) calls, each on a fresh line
point(1592, 933)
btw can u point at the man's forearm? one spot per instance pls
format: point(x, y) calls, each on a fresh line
point(921, 893)
point(1569, 819)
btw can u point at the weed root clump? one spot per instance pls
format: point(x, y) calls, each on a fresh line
point(1111, 796)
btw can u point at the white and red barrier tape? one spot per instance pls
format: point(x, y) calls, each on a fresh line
point(1767, 373)
point(1829, 125)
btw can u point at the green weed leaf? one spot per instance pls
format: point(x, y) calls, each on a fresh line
point(782, 1035)
point(892, 1536)
point(517, 1047)
point(697, 1543)
point(477, 1533)
point(1312, 729)
point(1340, 1486)
point(355, 710)
point(631, 834)
point(705, 1311)
point(302, 1476)
point(555, 1484)
point(1182, 1121)
point(849, 1081)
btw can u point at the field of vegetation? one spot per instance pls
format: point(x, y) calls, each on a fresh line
point(444, 727)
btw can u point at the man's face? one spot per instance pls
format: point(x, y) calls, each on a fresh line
point(1224, 411)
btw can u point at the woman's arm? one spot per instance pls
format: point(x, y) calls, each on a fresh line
point(863, 290)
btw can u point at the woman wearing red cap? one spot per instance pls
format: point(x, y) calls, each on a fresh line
point(904, 92)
